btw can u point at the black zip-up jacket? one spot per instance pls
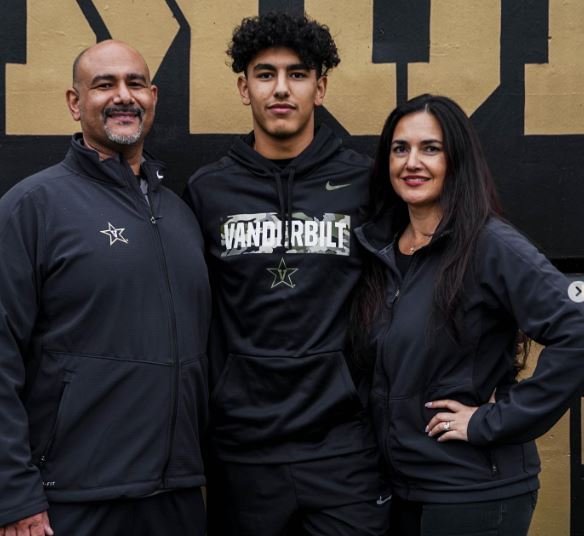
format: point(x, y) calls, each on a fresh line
point(104, 312)
point(282, 388)
point(510, 286)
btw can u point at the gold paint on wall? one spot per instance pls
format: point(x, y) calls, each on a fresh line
point(552, 514)
point(35, 92)
point(150, 27)
point(215, 105)
point(360, 93)
point(554, 101)
point(464, 52)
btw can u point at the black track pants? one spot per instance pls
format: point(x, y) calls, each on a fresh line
point(180, 512)
point(505, 517)
point(340, 496)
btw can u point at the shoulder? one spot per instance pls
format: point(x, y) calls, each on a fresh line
point(35, 186)
point(504, 254)
point(210, 170)
point(27, 203)
point(352, 158)
point(500, 237)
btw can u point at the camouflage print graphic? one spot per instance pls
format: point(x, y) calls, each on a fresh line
point(264, 232)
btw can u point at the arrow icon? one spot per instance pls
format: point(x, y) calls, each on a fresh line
point(576, 291)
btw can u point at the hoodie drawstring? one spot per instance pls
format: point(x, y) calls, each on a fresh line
point(289, 200)
point(280, 189)
point(285, 213)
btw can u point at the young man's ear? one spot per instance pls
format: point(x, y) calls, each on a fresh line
point(72, 97)
point(243, 89)
point(320, 90)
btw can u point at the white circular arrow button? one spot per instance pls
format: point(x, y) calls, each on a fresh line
point(576, 291)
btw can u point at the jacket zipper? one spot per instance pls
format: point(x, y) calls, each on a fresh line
point(173, 329)
point(393, 304)
point(493, 465)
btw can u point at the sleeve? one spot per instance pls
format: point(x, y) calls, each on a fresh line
point(191, 197)
point(526, 284)
point(217, 349)
point(21, 488)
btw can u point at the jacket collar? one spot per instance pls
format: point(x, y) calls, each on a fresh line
point(378, 234)
point(114, 170)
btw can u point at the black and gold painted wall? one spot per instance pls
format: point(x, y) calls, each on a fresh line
point(515, 65)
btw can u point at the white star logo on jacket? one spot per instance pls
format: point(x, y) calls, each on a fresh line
point(115, 234)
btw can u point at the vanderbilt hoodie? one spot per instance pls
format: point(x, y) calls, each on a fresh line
point(283, 262)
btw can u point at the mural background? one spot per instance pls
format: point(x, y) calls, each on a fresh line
point(515, 65)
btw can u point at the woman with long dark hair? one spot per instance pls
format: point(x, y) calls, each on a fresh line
point(448, 287)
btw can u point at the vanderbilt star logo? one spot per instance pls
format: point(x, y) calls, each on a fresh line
point(282, 275)
point(115, 234)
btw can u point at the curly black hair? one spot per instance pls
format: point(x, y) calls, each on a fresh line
point(310, 40)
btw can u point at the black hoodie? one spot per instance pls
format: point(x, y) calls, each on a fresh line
point(282, 388)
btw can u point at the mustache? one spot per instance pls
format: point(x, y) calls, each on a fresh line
point(136, 110)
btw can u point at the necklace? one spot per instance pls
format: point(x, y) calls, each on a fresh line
point(415, 247)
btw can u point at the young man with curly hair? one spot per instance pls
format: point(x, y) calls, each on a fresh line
point(292, 444)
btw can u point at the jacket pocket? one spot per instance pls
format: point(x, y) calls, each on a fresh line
point(111, 427)
point(513, 461)
point(380, 416)
point(423, 460)
point(258, 398)
point(46, 451)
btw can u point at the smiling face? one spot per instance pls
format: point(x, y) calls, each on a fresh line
point(283, 93)
point(417, 161)
point(112, 97)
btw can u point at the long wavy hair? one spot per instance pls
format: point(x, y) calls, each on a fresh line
point(467, 200)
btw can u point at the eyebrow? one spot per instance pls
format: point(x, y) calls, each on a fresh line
point(270, 67)
point(424, 142)
point(111, 77)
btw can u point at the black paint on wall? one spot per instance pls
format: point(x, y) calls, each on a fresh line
point(293, 7)
point(94, 19)
point(540, 178)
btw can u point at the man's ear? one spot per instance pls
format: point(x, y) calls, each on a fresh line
point(154, 91)
point(320, 90)
point(243, 89)
point(72, 96)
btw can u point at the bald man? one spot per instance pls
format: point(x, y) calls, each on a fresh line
point(104, 312)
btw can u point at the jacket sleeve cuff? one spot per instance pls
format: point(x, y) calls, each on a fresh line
point(477, 426)
point(23, 511)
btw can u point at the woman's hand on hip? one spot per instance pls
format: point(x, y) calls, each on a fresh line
point(452, 424)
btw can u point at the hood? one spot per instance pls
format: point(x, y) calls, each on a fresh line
point(322, 147)
point(380, 231)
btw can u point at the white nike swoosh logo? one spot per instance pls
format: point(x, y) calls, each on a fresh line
point(330, 187)
point(381, 500)
point(159, 175)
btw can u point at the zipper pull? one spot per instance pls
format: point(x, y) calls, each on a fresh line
point(395, 296)
point(152, 220)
